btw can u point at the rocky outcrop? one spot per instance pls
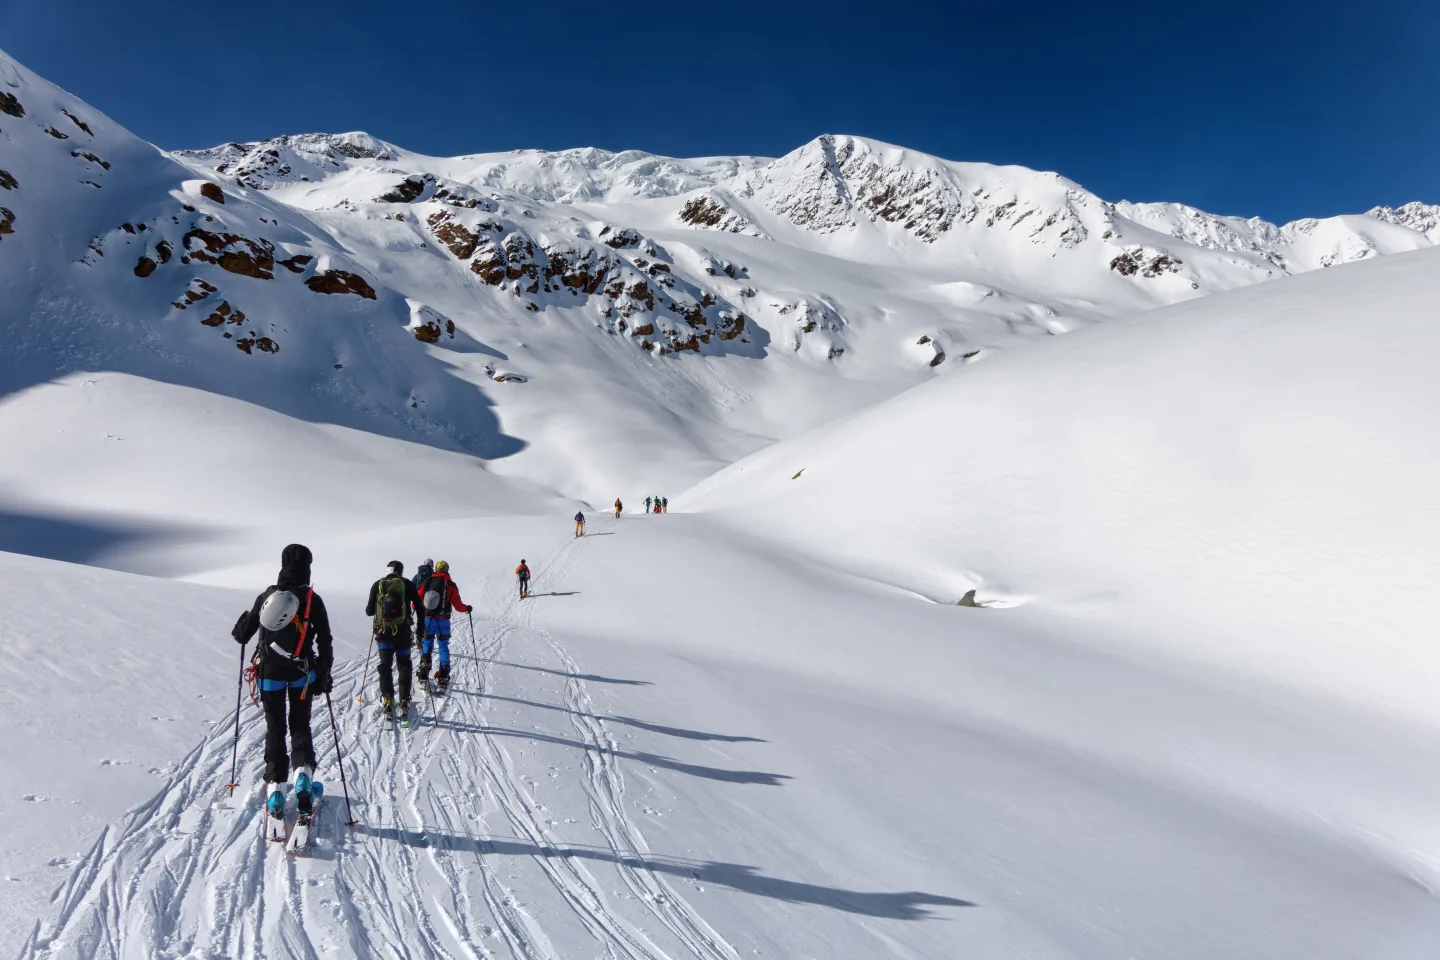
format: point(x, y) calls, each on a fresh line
point(79, 123)
point(622, 239)
point(8, 182)
point(341, 281)
point(297, 263)
point(1145, 263)
point(407, 190)
point(263, 344)
point(7, 221)
point(453, 235)
point(145, 267)
point(10, 105)
point(82, 155)
point(198, 290)
point(211, 191)
point(232, 252)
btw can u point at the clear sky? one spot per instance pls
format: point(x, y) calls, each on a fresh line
point(1278, 109)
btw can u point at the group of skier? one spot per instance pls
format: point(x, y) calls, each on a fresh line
point(296, 654)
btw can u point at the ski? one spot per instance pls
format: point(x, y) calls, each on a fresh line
point(300, 836)
point(405, 714)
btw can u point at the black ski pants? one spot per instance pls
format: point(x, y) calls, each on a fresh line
point(302, 747)
point(395, 658)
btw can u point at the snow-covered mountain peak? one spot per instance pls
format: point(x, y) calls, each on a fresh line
point(1423, 218)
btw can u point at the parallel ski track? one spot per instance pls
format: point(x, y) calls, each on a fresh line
point(186, 876)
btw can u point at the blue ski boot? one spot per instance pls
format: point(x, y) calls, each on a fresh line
point(276, 803)
point(304, 800)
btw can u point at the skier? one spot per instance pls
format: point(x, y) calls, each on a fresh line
point(665, 504)
point(647, 504)
point(392, 599)
point(523, 573)
point(422, 573)
point(437, 598)
point(579, 524)
point(293, 663)
point(657, 505)
point(618, 507)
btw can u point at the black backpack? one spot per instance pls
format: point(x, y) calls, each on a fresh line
point(435, 598)
point(390, 612)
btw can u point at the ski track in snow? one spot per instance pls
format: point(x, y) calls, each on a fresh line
point(188, 874)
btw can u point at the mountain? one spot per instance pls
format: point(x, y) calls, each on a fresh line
point(533, 309)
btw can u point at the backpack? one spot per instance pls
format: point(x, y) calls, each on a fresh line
point(436, 596)
point(390, 612)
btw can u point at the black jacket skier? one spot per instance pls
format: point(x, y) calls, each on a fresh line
point(294, 664)
point(393, 639)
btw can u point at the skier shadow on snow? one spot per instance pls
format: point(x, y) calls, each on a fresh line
point(611, 718)
point(906, 905)
point(639, 756)
point(590, 677)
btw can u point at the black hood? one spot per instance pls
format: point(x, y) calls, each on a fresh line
point(294, 566)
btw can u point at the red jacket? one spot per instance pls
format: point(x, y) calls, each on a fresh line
point(452, 594)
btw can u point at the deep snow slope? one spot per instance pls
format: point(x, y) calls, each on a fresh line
point(826, 769)
point(587, 321)
point(1246, 480)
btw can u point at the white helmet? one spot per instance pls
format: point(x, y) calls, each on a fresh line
point(278, 610)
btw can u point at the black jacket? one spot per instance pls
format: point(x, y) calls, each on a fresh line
point(412, 601)
point(318, 650)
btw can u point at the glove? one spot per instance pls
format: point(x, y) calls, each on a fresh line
point(240, 631)
point(323, 680)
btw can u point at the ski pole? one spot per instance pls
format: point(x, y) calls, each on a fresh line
point(340, 760)
point(235, 750)
point(365, 675)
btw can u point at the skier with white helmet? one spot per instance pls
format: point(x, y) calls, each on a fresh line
point(293, 666)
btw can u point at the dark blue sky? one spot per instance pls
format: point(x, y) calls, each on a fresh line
point(1278, 109)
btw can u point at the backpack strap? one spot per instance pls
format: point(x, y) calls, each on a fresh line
point(304, 622)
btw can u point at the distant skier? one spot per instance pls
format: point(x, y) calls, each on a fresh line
point(579, 524)
point(293, 664)
point(522, 573)
point(657, 505)
point(665, 504)
point(647, 504)
point(392, 600)
point(438, 597)
point(618, 507)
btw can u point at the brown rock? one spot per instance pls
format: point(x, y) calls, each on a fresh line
point(703, 212)
point(237, 254)
point(407, 190)
point(78, 122)
point(341, 281)
point(7, 221)
point(57, 134)
point(145, 267)
point(460, 241)
point(939, 358)
point(642, 331)
point(428, 332)
point(622, 239)
point(8, 104)
point(7, 181)
point(296, 264)
point(89, 156)
point(732, 328)
point(212, 191)
point(164, 250)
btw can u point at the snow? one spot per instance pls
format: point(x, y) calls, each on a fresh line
point(1190, 717)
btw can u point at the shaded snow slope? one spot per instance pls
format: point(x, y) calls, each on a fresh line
point(1246, 480)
